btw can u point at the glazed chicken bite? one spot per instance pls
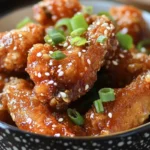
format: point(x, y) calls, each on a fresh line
point(14, 46)
point(31, 115)
point(47, 12)
point(59, 82)
point(130, 109)
point(130, 20)
point(123, 67)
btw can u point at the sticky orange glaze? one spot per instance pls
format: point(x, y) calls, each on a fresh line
point(130, 109)
point(123, 67)
point(47, 12)
point(63, 81)
point(31, 115)
point(130, 20)
point(14, 46)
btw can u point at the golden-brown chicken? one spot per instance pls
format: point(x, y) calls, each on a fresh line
point(47, 12)
point(130, 20)
point(130, 109)
point(14, 46)
point(61, 81)
point(31, 115)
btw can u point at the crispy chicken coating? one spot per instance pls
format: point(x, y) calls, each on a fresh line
point(61, 81)
point(130, 109)
point(123, 67)
point(14, 46)
point(47, 12)
point(130, 20)
point(31, 115)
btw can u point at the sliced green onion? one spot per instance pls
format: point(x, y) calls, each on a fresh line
point(48, 40)
point(142, 44)
point(125, 40)
point(22, 23)
point(87, 10)
point(101, 39)
point(106, 14)
point(58, 55)
point(78, 21)
point(98, 106)
point(56, 36)
point(78, 32)
point(64, 22)
point(75, 117)
point(78, 41)
point(107, 94)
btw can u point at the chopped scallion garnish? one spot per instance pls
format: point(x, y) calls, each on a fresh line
point(78, 21)
point(142, 44)
point(125, 40)
point(78, 41)
point(56, 36)
point(58, 55)
point(107, 14)
point(22, 23)
point(48, 40)
point(107, 94)
point(64, 22)
point(98, 106)
point(78, 32)
point(87, 10)
point(75, 117)
point(101, 39)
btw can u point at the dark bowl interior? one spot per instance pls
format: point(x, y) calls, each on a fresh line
point(11, 138)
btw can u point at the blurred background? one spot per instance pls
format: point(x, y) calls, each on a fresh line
point(8, 5)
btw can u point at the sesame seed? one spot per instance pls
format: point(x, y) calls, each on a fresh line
point(63, 94)
point(105, 32)
point(65, 44)
point(61, 73)
point(121, 55)
point(79, 90)
point(112, 26)
point(83, 50)
point(60, 120)
point(50, 62)
point(88, 61)
point(98, 22)
point(69, 47)
point(110, 115)
point(115, 62)
point(15, 48)
point(2, 45)
point(51, 82)
point(86, 87)
point(51, 52)
point(70, 64)
point(79, 54)
point(55, 83)
point(20, 35)
point(47, 73)
point(57, 135)
point(104, 24)
point(39, 75)
point(147, 78)
point(59, 66)
point(69, 52)
point(39, 54)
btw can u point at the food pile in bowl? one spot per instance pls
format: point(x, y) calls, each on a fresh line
point(75, 73)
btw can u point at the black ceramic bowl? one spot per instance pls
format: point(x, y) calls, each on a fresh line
point(11, 138)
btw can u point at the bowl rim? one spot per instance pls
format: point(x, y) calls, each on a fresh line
point(136, 130)
point(122, 134)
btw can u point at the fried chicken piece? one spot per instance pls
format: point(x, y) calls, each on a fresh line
point(123, 67)
point(31, 115)
point(130, 109)
point(14, 46)
point(130, 20)
point(59, 82)
point(47, 12)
